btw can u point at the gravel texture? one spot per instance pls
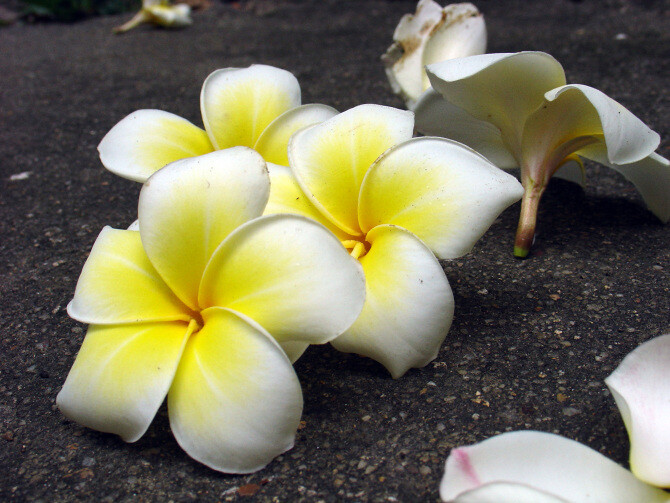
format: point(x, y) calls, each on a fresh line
point(531, 341)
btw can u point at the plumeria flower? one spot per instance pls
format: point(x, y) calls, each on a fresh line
point(256, 107)
point(161, 13)
point(396, 203)
point(198, 304)
point(517, 110)
point(430, 35)
point(544, 468)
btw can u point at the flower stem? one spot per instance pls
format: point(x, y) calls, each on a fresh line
point(525, 232)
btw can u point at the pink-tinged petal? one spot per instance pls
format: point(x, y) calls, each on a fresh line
point(549, 464)
point(290, 275)
point(443, 192)
point(235, 402)
point(330, 160)
point(641, 387)
point(437, 117)
point(237, 104)
point(121, 376)
point(118, 284)
point(408, 307)
point(189, 207)
point(147, 140)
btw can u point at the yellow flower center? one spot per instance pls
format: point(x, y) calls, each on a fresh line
point(359, 247)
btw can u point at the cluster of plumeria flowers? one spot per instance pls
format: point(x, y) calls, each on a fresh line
point(281, 225)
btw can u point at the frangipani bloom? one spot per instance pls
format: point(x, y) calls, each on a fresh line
point(256, 107)
point(197, 305)
point(396, 203)
point(530, 466)
point(160, 12)
point(517, 111)
point(430, 35)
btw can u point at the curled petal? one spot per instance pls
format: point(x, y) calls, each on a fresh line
point(237, 104)
point(188, 208)
point(235, 402)
point(121, 376)
point(444, 193)
point(147, 140)
point(437, 117)
point(290, 275)
point(409, 305)
point(329, 160)
point(506, 492)
point(641, 387)
point(286, 196)
point(118, 284)
point(543, 462)
point(503, 89)
point(273, 141)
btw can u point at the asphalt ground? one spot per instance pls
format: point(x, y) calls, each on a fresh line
point(531, 340)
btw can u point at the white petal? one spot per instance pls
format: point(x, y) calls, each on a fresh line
point(651, 177)
point(544, 462)
point(329, 160)
point(445, 193)
point(641, 387)
point(171, 16)
point(505, 492)
point(121, 376)
point(237, 104)
point(437, 117)
point(147, 140)
point(235, 402)
point(273, 141)
point(290, 275)
point(408, 307)
point(503, 89)
point(118, 284)
point(188, 208)
point(572, 171)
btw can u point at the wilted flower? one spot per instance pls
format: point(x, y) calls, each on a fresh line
point(430, 35)
point(198, 304)
point(517, 111)
point(395, 202)
point(546, 468)
point(160, 12)
point(256, 107)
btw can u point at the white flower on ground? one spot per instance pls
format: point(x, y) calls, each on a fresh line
point(197, 306)
point(430, 35)
point(396, 203)
point(161, 13)
point(531, 466)
point(517, 110)
point(256, 107)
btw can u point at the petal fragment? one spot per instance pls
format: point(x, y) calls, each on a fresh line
point(188, 208)
point(330, 159)
point(237, 104)
point(409, 305)
point(290, 275)
point(118, 284)
point(121, 376)
point(147, 140)
point(641, 387)
point(273, 141)
point(235, 402)
point(544, 462)
point(441, 191)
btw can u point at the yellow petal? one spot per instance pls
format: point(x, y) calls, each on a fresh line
point(290, 275)
point(408, 307)
point(329, 160)
point(147, 140)
point(121, 376)
point(188, 208)
point(118, 284)
point(286, 196)
point(273, 141)
point(235, 402)
point(237, 104)
point(443, 192)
